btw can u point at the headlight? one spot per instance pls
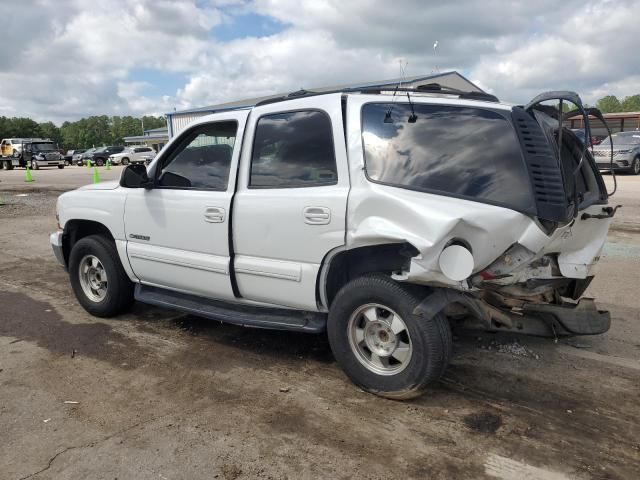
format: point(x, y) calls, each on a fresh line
point(623, 151)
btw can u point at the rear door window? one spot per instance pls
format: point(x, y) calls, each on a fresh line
point(293, 149)
point(453, 150)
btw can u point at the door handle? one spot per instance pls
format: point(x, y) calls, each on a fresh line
point(214, 214)
point(317, 215)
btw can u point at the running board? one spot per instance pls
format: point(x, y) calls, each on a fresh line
point(244, 315)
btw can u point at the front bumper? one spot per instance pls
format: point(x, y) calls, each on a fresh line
point(56, 244)
point(620, 162)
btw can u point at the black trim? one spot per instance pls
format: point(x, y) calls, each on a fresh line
point(237, 314)
point(544, 171)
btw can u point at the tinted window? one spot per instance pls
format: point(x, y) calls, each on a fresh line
point(293, 149)
point(202, 159)
point(462, 151)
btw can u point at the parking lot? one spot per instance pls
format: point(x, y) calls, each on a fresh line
point(160, 395)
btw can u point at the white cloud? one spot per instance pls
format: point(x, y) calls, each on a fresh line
point(81, 57)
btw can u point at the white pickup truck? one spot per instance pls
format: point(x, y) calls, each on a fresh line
point(382, 217)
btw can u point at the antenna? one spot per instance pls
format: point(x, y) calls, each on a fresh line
point(387, 116)
point(435, 60)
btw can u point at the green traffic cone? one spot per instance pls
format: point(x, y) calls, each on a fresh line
point(108, 165)
point(27, 175)
point(88, 163)
point(96, 175)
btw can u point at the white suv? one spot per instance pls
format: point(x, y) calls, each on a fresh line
point(380, 218)
point(132, 155)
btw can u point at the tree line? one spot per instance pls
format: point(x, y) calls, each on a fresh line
point(611, 104)
point(88, 132)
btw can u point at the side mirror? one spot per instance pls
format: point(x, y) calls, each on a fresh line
point(135, 176)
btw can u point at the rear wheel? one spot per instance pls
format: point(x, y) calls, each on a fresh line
point(8, 165)
point(125, 161)
point(34, 165)
point(380, 344)
point(60, 167)
point(99, 162)
point(97, 277)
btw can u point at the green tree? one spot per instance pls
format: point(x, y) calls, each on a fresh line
point(631, 103)
point(609, 104)
point(50, 130)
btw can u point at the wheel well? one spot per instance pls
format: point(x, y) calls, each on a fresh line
point(350, 264)
point(75, 230)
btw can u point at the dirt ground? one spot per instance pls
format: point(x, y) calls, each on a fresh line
point(159, 395)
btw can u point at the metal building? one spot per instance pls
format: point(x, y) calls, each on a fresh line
point(177, 121)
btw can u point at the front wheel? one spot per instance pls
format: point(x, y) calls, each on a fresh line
point(97, 277)
point(60, 167)
point(99, 162)
point(635, 166)
point(379, 342)
point(125, 161)
point(34, 165)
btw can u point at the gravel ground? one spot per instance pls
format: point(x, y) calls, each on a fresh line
point(159, 395)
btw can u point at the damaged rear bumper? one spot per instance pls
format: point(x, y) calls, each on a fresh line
point(581, 318)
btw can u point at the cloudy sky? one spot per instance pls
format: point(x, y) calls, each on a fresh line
point(65, 59)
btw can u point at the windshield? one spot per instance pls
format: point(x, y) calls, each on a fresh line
point(623, 138)
point(42, 147)
point(100, 150)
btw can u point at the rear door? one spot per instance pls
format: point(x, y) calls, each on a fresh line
point(290, 204)
point(178, 232)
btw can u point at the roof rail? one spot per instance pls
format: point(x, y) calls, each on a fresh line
point(428, 88)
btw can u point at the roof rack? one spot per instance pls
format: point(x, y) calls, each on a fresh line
point(428, 88)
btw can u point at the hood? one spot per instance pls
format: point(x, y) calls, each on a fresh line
point(111, 185)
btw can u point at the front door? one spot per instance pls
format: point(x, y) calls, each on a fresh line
point(178, 231)
point(290, 205)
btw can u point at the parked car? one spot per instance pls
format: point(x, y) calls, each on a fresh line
point(134, 154)
point(626, 152)
point(582, 135)
point(79, 158)
point(69, 156)
point(379, 219)
point(100, 155)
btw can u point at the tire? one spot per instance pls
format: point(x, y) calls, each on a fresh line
point(99, 162)
point(125, 161)
point(67, 163)
point(428, 341)
point(635, 166)
point(8, 165)
point(117, 296)
point(60, 167)
point(34, 165)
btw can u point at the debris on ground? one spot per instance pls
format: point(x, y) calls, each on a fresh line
point(284, 389)
point(514, 348)
point(70, 402)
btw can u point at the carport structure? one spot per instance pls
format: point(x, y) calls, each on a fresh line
point(617, 122)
